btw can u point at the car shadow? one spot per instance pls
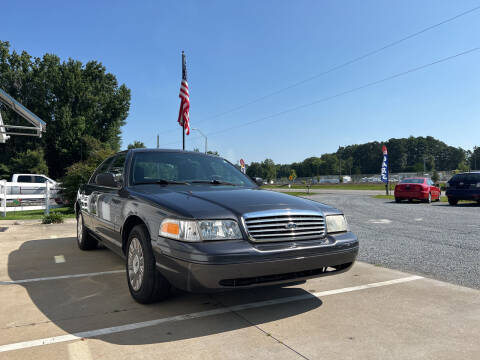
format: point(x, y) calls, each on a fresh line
point(85, 303)
point(469, 204)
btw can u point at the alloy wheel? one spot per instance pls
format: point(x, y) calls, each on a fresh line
point(136, 264)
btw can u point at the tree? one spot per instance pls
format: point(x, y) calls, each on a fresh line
point(80, 172)
point(136, 145)
point(269, 169)
point(30, 162)
point(75, 100)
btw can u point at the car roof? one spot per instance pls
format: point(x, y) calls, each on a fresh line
point(169, 150)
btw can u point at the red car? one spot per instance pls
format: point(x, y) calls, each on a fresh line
point(422, 189)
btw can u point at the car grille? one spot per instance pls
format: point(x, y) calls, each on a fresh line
point(285, 225)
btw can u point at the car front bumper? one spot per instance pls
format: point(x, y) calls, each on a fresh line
point(241, 264)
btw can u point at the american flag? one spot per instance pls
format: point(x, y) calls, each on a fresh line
point(184, 113)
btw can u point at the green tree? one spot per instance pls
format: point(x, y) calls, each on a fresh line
point(136, 145)
point(30, 162)
point(75, 100)
point(80, 172)
point(269, 169)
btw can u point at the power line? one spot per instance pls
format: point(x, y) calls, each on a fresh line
point(337, 67)
point(346, 92)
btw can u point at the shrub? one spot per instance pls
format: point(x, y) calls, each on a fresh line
point(52, 218)
point(77, 174)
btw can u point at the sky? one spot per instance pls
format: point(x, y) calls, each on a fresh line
point(240, 51)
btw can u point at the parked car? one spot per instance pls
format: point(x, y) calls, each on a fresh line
point(194, 221)
point(420, 188)
point(32, 178)
point(34, 184)
point(465, 186)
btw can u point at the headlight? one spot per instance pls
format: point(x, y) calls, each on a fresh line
point(195, 231)
point(336, 223)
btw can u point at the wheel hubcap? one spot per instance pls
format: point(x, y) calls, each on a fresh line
point(79, 229)
point(136, 266)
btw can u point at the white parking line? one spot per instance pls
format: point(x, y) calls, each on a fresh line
point(196, 315)
point(379, 221)
point(13, 282)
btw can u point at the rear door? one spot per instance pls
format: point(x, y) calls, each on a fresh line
point(109, 203)
point(89, 194)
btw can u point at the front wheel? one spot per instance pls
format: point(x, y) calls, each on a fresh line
point(145, 282)
point(85, 241)
point(397, 200)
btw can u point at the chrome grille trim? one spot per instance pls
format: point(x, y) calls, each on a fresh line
point(284, 225)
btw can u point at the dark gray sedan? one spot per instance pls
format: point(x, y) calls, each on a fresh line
point(196, 222)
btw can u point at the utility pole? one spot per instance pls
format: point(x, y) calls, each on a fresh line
point(204, 136)
point(158, 141)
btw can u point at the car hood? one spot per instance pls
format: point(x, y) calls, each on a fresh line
point(211, 202)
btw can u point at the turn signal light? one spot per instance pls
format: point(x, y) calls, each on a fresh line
point(170, 228)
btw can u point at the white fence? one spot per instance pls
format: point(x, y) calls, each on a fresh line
point(26, 196)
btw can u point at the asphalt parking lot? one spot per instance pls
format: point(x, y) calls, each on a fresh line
point(57, 302)
point(435, 240)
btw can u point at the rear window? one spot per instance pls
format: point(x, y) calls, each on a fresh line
point(412, 181)
point(24, 178)
point(473, 178)
point(457, 178)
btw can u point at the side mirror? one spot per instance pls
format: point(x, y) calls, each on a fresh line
point(258, 181)
point(105, 179)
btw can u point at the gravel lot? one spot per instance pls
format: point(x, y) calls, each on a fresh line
point(437, 240)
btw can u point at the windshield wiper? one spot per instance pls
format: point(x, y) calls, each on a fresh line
point(162, 182)
point(213, 182)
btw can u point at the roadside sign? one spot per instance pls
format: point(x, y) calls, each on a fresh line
point(242, 165)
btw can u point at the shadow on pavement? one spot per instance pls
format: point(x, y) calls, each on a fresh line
point(96, 302)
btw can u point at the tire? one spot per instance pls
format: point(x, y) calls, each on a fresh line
point(145, 282)
point(452, 201)
point(429, 199)
point(397, 200)
point(85, 241)
point(410, 200)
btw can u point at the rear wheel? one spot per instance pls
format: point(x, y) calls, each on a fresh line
point(452, 201)
point(397, 200)
point(145, 282)
point(85, 241)
point(429, 199)
point(410, 200)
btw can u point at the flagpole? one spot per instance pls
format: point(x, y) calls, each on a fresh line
point(183, 131)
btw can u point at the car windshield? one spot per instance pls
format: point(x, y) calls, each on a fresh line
point(412, 181)
point(185, 167)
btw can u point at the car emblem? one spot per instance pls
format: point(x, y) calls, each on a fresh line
point(291, 226)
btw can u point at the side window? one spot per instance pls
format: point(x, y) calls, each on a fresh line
point(25, 178)
point(101, 169)
point(40, 179)
point(117, 168)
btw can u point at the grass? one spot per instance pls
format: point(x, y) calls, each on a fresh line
point(331, 186)
point(442, 198)
point(66, 212)
point(299, 193)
